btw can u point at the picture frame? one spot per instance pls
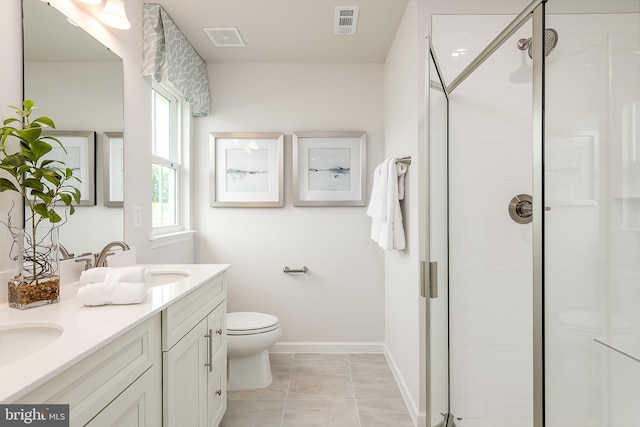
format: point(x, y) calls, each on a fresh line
point(329, 168)
point(246, 169)
point(80, 156)
point(113, 169)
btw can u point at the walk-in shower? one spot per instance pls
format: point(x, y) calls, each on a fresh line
point(535, 322)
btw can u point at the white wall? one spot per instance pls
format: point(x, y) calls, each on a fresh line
point(402, 89)
point(341, 298)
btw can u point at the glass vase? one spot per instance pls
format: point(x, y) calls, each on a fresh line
point(38, 279)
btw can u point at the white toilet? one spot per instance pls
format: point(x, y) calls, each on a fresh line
point(249, 336)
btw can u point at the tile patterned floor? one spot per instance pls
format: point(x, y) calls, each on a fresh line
point(322, 390)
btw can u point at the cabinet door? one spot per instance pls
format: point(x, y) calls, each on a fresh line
point(185, 380)
point(137, 406)
point(217, 376)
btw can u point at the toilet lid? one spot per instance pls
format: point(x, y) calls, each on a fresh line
point(245, 322)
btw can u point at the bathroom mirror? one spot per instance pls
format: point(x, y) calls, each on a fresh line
point(78, 82)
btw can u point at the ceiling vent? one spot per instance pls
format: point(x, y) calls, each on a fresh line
point(346, 20)
point(225, 37)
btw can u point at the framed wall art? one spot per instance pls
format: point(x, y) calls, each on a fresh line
point(329, 168)
point(246, 169)
point(113, 173)
point(80, 156)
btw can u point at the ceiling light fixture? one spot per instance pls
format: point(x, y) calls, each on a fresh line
point(93, 2)
point(115, 15)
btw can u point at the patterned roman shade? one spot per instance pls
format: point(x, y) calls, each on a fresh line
point(168, 56)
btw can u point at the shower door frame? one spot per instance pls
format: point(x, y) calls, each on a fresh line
point(536, 12)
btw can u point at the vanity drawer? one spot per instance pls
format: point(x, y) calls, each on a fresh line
point(179, 318)
point(217, 323)
point(217, 391)
point(88, 386)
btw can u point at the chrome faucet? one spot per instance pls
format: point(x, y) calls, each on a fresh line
point(64, 252)
point(101, 258)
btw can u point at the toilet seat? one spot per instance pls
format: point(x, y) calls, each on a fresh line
point(250, 323)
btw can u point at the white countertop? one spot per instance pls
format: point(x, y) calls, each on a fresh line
point(87, 329)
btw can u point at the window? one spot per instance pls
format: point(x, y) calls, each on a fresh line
point(167, 165)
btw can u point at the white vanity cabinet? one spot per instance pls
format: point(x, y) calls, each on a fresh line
point(159, 363)
point(119, 385)
point(194, 357)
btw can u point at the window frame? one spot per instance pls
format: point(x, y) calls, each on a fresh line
point(179, 123)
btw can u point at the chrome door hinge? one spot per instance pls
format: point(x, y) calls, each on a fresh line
point(433, 279)
point(429, 279)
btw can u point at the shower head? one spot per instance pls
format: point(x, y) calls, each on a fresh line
point(550, 41)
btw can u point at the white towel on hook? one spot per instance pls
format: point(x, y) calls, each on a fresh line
point(384, 207)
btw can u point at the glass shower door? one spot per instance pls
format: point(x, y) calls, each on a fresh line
point(437, 295)
point(592, 225)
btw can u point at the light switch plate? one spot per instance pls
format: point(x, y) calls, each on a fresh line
point(137, 217)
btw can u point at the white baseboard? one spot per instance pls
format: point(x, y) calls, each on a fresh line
point(327, 347)
point(422, 419)
point(418, 418)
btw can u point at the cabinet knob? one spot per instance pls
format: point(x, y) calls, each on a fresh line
point(219, 392)
point(219, 331)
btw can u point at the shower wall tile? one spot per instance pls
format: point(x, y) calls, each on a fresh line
point(512, 410)
point(482, 134)
point(485, 355)
point(472, 408)
point(490, 255)
point(496, 148)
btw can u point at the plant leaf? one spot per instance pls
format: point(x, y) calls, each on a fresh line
point(33, 183)
point(13, 160)
point(40, 148)
point(29, 135)
point(53, 216)
point(45, 121)
point(41, 209)
point(6, 185)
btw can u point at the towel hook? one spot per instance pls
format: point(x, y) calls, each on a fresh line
point(406, 160)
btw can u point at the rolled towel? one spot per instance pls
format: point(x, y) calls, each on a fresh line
point(112, 291)
point(133, 274)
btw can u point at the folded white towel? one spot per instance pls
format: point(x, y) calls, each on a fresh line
point(133, 274)
point(112, 291)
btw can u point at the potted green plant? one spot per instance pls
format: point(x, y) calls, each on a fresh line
point(44, 184)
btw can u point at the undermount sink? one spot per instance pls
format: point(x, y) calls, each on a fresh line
point(159, 278)
point(19, 340)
